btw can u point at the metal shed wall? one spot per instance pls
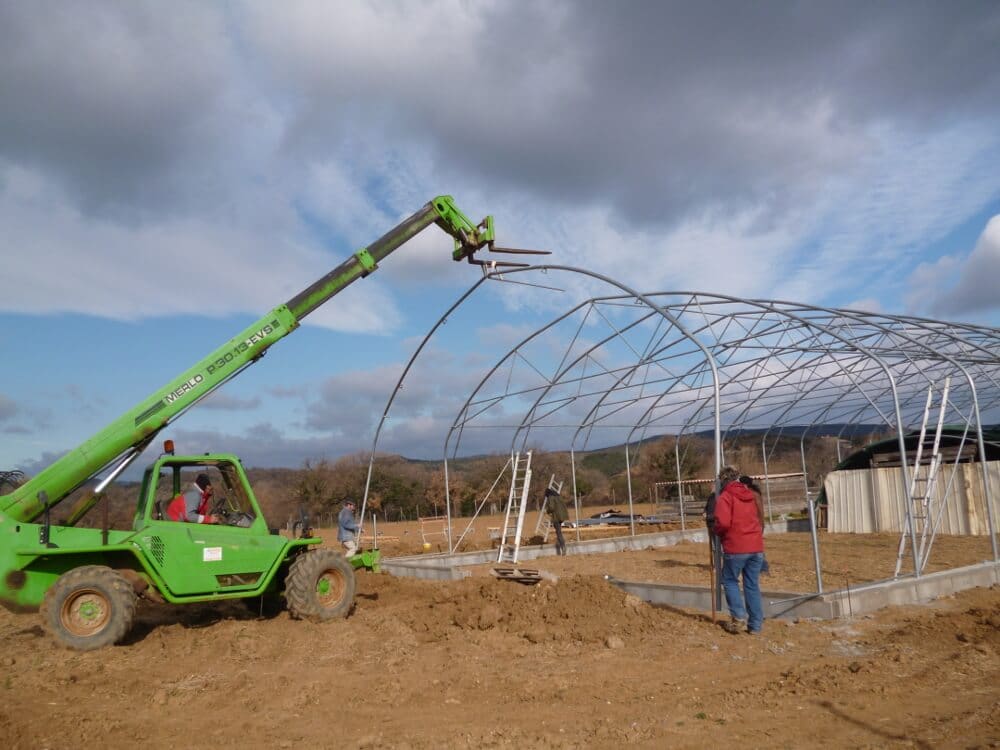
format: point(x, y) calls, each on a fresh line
point(872, 500)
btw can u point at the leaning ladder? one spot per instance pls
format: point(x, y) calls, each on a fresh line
point(544, 524)
point(933, 519)
point(921, 494)
point(517, 502)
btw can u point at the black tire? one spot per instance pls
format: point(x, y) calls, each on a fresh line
point(89, 607)
point(320, 586)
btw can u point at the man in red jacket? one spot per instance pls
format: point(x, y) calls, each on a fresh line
point(193, 505)
point(738, 525)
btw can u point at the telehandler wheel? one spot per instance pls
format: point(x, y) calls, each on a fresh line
point(89, 607)
point(319, 586)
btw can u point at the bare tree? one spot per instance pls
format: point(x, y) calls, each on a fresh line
point(12, 478)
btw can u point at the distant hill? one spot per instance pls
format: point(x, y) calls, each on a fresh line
point(832, 429)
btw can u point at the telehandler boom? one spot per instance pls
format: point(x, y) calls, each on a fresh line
point(86, 581)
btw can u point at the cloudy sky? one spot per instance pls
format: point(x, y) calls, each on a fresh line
point(170, 173)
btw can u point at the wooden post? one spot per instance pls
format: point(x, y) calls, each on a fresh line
point(711, 567)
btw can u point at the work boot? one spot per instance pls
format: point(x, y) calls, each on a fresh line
point(735, 626)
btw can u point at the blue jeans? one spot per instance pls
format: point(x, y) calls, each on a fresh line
point(747, 606)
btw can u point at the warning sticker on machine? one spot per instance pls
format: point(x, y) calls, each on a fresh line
point(211, 554)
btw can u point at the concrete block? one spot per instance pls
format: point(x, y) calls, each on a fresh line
point(425, 572)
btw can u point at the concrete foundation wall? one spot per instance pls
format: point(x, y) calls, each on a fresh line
point(427, 572)
point(776, 604)
point(855, 601)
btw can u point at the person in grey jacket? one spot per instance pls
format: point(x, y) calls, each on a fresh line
point(347, 528)
point(559, 514)
point(193, 506)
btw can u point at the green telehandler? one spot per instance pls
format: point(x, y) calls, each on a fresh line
point(87, 581)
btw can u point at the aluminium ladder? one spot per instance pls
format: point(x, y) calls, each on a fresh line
point(933, 497)
point(517, 502)
point(922, 489)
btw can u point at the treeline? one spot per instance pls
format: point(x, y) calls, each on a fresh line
point(402, 488)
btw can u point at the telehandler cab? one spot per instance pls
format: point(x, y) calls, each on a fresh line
point(87, 581)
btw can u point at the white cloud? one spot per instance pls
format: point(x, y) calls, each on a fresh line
point(909, 192)
point(8, 409)
point(63, 261)
point(865, 304)
point(976, 289)
point(927, 280)
point(274, 135)
point(217, 159)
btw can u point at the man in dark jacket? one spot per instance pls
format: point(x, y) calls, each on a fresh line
point(559, 514)
point(739, 527)
point(193, 505)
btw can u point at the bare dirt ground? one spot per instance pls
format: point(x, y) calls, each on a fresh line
point(486, 663)
point(846, 560)
point(407, 537)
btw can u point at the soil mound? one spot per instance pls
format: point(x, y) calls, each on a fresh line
point(482, 663)
point(585, 609)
